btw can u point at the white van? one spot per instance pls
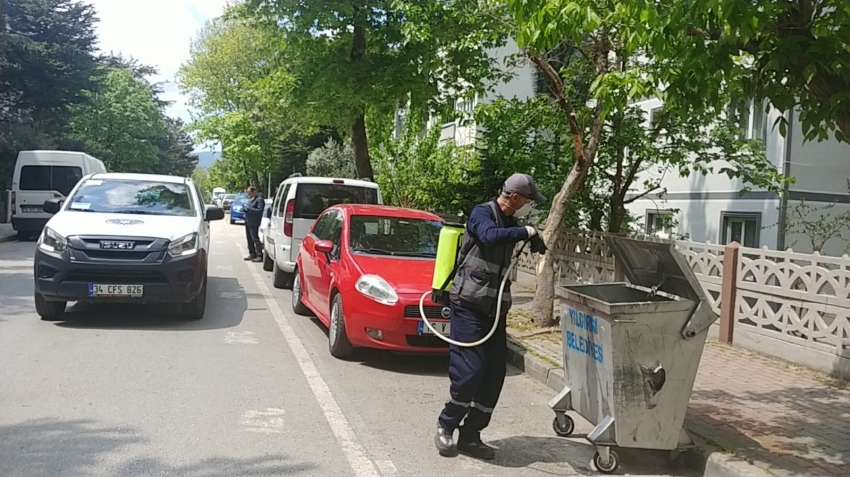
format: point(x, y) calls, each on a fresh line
point(41, 176)
point(297, 204)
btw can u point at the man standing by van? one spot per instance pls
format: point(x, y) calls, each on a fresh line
point(253, 217)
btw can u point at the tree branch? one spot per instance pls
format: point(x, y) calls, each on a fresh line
point(641, 195)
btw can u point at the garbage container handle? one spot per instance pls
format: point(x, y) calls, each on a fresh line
point(655, 377)
point(692, 328)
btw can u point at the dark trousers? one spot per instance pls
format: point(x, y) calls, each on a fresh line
point(477, 374)
point(252, 234)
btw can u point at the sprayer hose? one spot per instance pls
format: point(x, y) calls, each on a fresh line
point(495, 322)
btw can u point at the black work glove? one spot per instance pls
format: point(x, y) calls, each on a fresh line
point(537, 245)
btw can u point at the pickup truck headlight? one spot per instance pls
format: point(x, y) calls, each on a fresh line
point(377, 289)
point(51, 241)
point(185, 245)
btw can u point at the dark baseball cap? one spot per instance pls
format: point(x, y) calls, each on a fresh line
point(523, 185)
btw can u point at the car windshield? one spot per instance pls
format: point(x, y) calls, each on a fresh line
point(230, 197)
point(394, 236)
point(241, 201)
point(132, 197)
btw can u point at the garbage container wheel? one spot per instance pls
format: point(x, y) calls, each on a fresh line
point(566, 430)
point(607, 467)
point(674, 458)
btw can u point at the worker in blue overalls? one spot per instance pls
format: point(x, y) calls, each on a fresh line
point(478, 373)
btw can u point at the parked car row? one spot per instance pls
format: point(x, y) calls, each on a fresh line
point(359, 266)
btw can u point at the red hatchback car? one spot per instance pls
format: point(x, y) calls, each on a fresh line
point(362, 271)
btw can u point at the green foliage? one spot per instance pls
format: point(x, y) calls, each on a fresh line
point(122, 124)
point(202, 179)
point(819, 224)
point(792, 52)
point(243, 100)
point(332, 160)
point(348, 59)
point(416, 171)
point(530, 137)
point(175, 150)
point(57, 94)
point(46, 63)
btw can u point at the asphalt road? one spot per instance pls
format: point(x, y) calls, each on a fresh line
point(249, 390)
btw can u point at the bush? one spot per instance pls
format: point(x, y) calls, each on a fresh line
point(332, 160)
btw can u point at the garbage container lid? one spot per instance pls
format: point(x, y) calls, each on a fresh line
point(656, 264)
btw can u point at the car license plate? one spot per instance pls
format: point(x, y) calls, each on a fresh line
point(32, 209)
point(116, 291)
point(443, 327)
point(113, 245)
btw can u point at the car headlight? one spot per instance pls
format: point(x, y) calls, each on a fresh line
point(51, 241)
point(185, 245)
point(377, 289)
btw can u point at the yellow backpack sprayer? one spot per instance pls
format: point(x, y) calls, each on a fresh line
point(450, 254)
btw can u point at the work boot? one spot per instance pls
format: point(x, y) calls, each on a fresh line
point(248, 258)
point(444, 441)
point(476, 448)
point(257, 259)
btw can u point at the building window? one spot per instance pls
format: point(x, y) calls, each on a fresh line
point(654, 117)
point(660, 222)
point(743, 228)
point(751, 117)
point(465, 106)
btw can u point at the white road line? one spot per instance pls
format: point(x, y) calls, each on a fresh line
point(344, 433)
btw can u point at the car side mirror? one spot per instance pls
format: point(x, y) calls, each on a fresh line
point(212, 212)
point(324, 246)
point(52, 206)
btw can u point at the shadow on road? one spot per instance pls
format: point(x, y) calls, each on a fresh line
point(12, 278)
point(51, 447)
point(535, 452)
point(226, 305)
point(420, 365)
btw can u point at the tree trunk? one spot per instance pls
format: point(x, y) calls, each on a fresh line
point(255, 180)
point(618, 212)
point(542, 314)
point(359, 140)
point(360, 144)
point(843, 122)
point(544, 295)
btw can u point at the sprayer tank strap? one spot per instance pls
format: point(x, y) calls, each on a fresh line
point(468, 244)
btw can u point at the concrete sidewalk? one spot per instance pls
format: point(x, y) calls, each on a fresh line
point(780, 418)
point(7, 233)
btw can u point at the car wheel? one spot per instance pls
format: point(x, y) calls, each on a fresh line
point(232, 222)
point(268, 263)
point(194, 310)
point(281, 279)
point(338, 342)
point(297, 306)
point(49, 310)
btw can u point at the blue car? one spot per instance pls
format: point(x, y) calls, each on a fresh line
point(237, 210)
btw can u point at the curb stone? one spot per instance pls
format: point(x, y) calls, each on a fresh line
point(7, 238)
point(717, 464)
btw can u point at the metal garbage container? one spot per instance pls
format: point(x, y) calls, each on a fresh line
point(631, 353)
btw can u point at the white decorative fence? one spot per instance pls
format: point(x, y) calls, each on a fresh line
point(790, 305)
